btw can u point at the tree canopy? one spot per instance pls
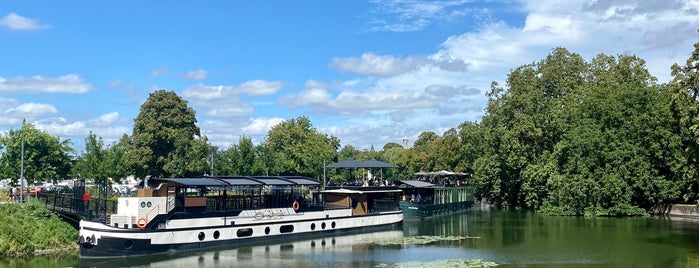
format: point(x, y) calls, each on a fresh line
point(166, 141)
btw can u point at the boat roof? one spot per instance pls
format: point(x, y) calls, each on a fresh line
point(417, 183)
point(361, 191)
point(243, 181)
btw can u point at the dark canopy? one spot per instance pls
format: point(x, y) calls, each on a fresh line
point(347, 163)
point(373, 163)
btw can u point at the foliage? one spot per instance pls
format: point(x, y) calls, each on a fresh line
point(100, 163)
point(295, 146)
point(570, 137)
point(46, 158)
point(166, 141)
point(29, 227)
point(240, 159)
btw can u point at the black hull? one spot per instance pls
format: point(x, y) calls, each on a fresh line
point(111, 247)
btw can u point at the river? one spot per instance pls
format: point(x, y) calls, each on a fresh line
point(510, 239)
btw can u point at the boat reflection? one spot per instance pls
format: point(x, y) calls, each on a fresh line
point(300, 253)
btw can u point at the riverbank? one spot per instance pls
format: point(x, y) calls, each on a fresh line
point(31, 229)
point(680, 210)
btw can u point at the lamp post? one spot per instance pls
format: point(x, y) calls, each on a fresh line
point(21, 176)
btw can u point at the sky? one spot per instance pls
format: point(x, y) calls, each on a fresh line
point(366, 72)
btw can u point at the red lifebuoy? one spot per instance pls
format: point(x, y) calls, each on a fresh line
point(141, 223)
point(295, 206)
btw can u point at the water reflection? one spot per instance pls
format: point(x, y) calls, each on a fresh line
point(317, 252)
point(509, 238)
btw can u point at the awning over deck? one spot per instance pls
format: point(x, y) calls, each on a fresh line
point(417, 184)
point(224, 181)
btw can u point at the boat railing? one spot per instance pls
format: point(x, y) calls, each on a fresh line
point(170, 203)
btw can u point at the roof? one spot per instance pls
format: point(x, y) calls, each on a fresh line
point(243, 181)
point(352, 163)
point(362, 191)
point(418, 184)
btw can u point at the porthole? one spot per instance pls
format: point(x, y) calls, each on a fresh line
point(267, 230)
point(128, 244)
point(286, 229)
point(313, 226)
point(201, 236)
point(149, 204)
point(322, 226)
point(332, 225)
point(216, 234)
point(244, 232)
point(143, 204)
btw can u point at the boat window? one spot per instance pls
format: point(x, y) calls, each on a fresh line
point(216, 234)
point(332, 225)
point(322, 226)
point(286, 228)
point(313, 226)
point(244, 232)
point(201, 236)
point(267, 230)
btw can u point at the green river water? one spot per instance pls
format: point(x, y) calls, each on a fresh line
point(509, 239)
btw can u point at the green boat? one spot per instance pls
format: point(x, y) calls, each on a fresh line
point(423, 199)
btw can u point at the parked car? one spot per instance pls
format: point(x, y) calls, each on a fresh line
point(57, 188)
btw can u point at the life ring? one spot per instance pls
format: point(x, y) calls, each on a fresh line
point(141, 223)
point(295, 206)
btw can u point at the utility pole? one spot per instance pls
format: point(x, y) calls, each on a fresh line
point(21, 176)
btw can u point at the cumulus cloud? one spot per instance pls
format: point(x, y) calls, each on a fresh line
point(260, 126)
point(16, 22)
point(376, 65)
point(108, 126)
point(12, 112)
point(69, 83)
point(251, 88)
point(387, 65)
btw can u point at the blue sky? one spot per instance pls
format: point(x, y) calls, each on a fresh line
point(366, 72)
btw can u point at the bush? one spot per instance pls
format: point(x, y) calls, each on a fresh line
point(25, 228)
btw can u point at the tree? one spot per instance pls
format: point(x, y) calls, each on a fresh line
point(166, 141)
point(46, 158)
point(240, 159)
point(685, 109)
point(101, 163)
point(298, 146)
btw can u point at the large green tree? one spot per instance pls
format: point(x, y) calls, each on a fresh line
point(574, 137)
point(299, 148)
point(166, 142)
point(46, 158)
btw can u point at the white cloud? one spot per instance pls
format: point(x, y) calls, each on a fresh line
point(196, 75)
point(69, 83)
point(12, 112)
point(225, 101)
point(251, 88)
point(32, 110)
point(108, 126)
point(376, 65)
point(242, 109)
point(18, 23)
point(409, 16)
point(260, 126)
